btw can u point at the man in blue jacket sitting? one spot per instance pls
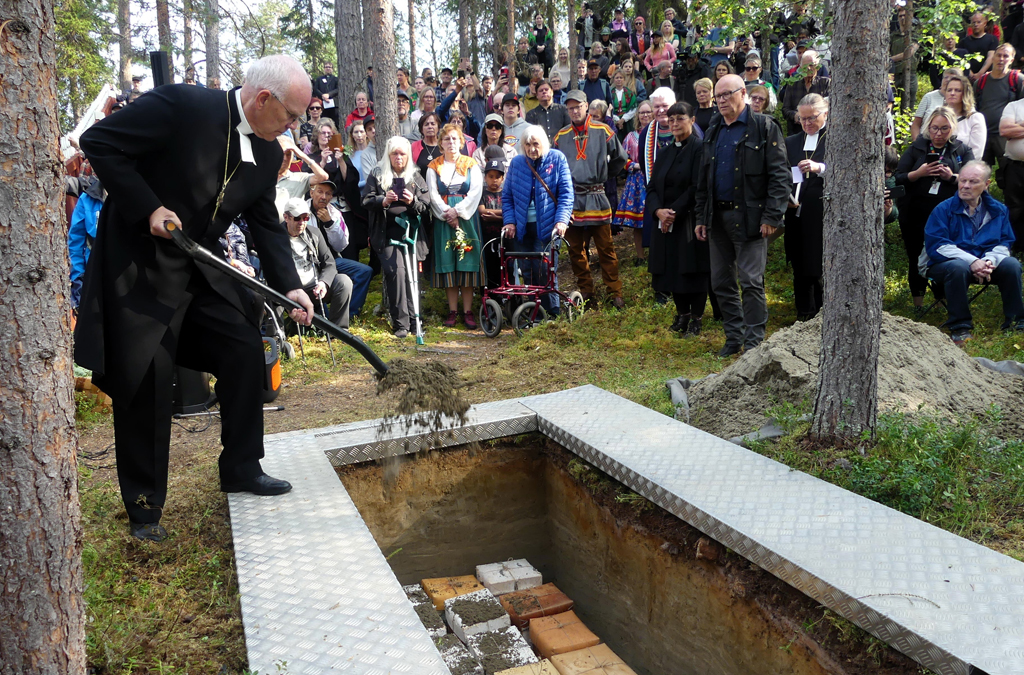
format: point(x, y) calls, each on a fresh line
point(967, 240)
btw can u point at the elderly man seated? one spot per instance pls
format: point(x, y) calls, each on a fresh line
point(320, 280)
point(333, 229)
point(967, 240)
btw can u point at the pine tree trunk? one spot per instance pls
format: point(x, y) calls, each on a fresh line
point(124, 43)
point(42, 617)
point(510, 37)
point(385, 103)
point(412, 40)
point(553, 27)
point(433, 38)
point(847, 399)
point(212, 43)
point(368, 47)
point(163, 26)
point(186, 30)
point(573, 46)
point(906, 101)
point(348, 27)
point(474, 20)
point(463, 28)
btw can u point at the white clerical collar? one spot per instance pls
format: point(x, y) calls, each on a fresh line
point(811, 142)
point(244, 144)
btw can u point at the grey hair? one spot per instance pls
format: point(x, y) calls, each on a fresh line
point(815, 101)
point(945, 112)
point(664, 94)
point(275, 73)
point(535, 132)
point(978, 164)
point(385, 174)
point(815, 56)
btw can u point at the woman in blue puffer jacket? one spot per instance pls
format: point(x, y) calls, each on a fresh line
point(536, 204)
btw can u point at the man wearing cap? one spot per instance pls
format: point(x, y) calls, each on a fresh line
point(547, 114)
point(692, 68)
point(594, 154)
point(594, 87)
point(335, 232)
point(314, 264)
point(587, 26)
point(619, 27)
point(406, 127)
point(147, 307)
point(515, 125)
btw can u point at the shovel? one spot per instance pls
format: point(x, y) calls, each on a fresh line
point(202, 255)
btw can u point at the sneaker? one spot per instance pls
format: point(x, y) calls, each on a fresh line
point(453, 318)
point(401, 333)
point(960, 336)
point(469, 321)
point(147, 531)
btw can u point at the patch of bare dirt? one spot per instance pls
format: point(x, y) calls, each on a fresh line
point(919, 370)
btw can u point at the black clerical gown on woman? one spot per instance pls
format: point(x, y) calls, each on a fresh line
point(147, 306)
point(678, 261)
point(803, 238)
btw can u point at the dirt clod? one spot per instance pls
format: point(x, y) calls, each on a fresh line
point(919, 369)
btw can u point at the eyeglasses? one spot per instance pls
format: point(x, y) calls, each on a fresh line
point(751, 69)
point(812, 118)
point(292, 117)
point(303, 218)
point(725, 96)
point(939, 130)
point(494, 126)
point(314, 107)
point(758, 99)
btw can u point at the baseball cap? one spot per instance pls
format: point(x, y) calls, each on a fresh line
point(576, 95)
point(328, 183)
point(402, 94)
point(495, 165)
point(509, 98)
point(295, 207)
point(494, 117)
point(594, 63)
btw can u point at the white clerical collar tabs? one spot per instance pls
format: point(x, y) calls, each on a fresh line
point(244, 144)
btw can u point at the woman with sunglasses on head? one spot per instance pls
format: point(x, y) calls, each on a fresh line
point(928, 169)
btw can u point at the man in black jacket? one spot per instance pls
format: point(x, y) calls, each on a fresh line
point(690, 68)
point(742, 192)
point(197, 158)
point(325, 88)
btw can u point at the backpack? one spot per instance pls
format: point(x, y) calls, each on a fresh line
point(1014, 84)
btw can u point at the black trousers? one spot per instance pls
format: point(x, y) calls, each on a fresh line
point(1013, 193)
point(691, 304)
point(216, 338)
point(912, 222)
point(808, 293)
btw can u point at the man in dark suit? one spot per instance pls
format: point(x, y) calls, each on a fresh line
point(197, 158)
point(325, 88)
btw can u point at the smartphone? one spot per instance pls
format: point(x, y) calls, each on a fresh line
point(897, 192)
point(335, 142)
point(932, 157)
point(462, 73)
point(398, 186)
point(504, 71)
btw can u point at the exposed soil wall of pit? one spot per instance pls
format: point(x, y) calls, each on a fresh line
point(660, 594)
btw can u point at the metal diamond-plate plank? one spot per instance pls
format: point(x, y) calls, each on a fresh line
point(952, 605)
point(364, 441)
point(317, 594)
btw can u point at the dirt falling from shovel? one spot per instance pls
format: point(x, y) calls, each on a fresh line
point(429, 400)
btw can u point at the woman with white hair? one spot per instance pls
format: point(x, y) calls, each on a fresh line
point(928, 169)
point(653, 138)
point(392, 213)
point(536, 203)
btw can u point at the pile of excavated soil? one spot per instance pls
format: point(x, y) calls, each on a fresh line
point(919, 370)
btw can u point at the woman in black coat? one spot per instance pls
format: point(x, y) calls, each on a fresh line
point(392, 215)
point(928, 169)
point(806, 213)
point(679, 263)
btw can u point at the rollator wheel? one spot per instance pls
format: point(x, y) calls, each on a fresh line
point(289, 351)
point(528, 315)
point(491, 318)
point(574, 307)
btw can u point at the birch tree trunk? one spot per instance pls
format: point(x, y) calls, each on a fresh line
point(348, 27)
point(42, 627)
point(124, 43)
point(385, 104)
point(212, 43)
point(847, 398)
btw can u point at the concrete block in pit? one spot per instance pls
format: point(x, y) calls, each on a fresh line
point(443, 588)
point(560, 634)
point(477, 612)
point(457, 657)
point(544, 600)
point(505, 577)
point(429, 617)
point(501, 650)
point(541, 668)
point(599, 660)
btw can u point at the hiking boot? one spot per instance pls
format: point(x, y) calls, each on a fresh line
point(695, 326)
point(453, 318)
point(729, 350)
point(618, 302)
point(469, 321)
point(960, 336)
point(401, 333)
point(678, 320)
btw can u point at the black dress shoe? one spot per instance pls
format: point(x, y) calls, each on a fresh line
point(729, 350)
point(695, 326)
point(148, 531)
point(262, 485)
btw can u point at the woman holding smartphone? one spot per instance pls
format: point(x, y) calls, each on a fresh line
point(928, 169)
